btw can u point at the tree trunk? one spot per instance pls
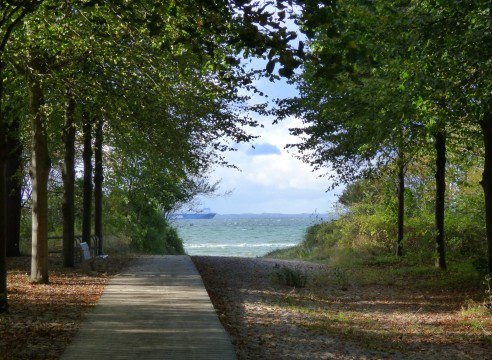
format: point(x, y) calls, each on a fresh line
point(14, 187)
point(87, 191)
point(401, 205)
point(3, 234)
point(486, 182)
point(98, 184)
point(440, 146)
point(68, 176)
point(39, 170)
point(16, 18)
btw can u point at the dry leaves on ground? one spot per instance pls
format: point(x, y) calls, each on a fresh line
point(44, 318)
point(268, 320)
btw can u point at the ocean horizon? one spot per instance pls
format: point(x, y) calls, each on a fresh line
point(245, 235)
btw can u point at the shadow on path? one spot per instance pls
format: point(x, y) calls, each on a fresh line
point(157, 309)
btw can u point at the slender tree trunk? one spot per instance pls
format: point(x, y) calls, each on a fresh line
point(486, 182)
point(39, 169)
point(98, 184)
point(68, 176)
point(401, 205)
point(440, 145)
point(3, 196)
point(16, 18)
point(87, 191)
point(14, 188)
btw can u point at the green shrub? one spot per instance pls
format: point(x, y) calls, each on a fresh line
point(366, 232)
point(291, 277)
point(341, 278)
point(142, 224)
point(117, 245)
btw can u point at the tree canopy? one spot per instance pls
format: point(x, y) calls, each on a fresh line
point(406, 79)
point(163, 88)
point(159, 80)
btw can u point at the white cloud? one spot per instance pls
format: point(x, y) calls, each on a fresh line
point(273, 182)
point(272, 179)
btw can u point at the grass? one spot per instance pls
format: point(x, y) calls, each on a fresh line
point(291, 277)
point(391, 309)
point(394, 307)
point(400, 303)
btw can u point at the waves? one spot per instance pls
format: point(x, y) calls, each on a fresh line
point(243, 245)
point(247, 237)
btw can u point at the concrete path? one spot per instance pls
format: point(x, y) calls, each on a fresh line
point(156, 309)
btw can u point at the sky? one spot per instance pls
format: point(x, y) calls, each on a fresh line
point(271, 179)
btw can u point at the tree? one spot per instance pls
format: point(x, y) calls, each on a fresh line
point(450, 50)
point(87, 186)
point(14, 110)
point(357, 118)
point(401, 204)
point(427, 59)
point(39, 169)
point(98, 184)
point(68, 176)
point(12, 16)
point(486, 125)
point(14, 188)
point(211, 36)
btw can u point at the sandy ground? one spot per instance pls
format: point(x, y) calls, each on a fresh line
point(327, 320)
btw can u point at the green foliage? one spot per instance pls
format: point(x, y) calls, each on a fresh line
point(387, 80)
point(341, 278)
point(135, 218)
point(130, 225)
point(164, 78)
point(366, 232)
point(488, 289)
point(480, 265)
point(291, 277)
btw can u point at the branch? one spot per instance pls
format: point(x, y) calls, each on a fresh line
point(28, 8)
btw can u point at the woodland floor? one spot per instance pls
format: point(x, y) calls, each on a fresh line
point(344, 314)
point(43, 319)
point(338, 315)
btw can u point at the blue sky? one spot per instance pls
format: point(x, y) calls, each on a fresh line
point(271, 179)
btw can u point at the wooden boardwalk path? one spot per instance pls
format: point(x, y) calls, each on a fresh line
point(156, 309)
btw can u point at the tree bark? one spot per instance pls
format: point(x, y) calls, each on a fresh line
point(16, 16)
point(401, 205)
point(98, 184)
point(440, 145)
point(39, 170)
point(3, 196)
point(68, 176)
point(87, 190)
point(14, 187)
point(486, 125)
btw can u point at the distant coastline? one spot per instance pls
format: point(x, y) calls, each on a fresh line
point(327, 216)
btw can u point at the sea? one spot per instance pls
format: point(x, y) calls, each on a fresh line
point(244, 235)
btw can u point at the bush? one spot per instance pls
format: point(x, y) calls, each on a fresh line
point(367, 230)
point(143, 224)
point(291, 277)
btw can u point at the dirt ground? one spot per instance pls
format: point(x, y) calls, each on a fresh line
point(335, 317)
